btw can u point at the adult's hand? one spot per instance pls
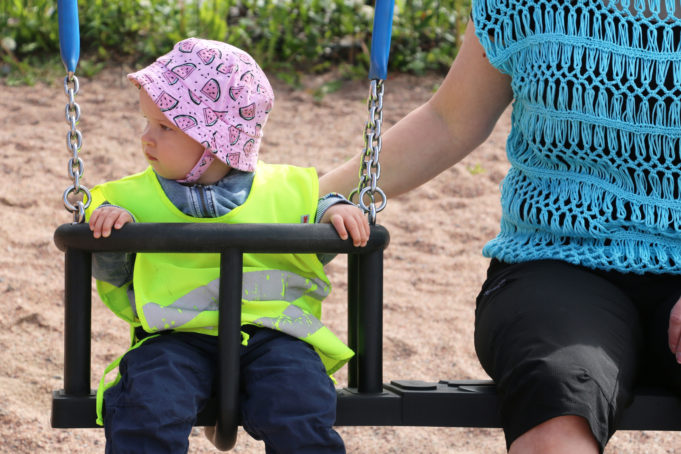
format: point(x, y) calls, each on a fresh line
point(675, 330)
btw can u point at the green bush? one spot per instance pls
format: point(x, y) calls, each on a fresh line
point(305, 35)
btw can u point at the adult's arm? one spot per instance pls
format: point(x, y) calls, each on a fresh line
point(439, 133)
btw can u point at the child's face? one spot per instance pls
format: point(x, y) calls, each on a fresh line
point(170, 152)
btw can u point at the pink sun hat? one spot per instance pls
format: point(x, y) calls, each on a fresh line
point(216, 94)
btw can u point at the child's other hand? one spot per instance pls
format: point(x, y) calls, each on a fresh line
point(106, 217)
point(346, 219)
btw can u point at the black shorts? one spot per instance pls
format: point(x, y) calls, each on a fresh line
point(560, 339)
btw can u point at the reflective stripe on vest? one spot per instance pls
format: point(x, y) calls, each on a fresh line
point(262, 285)
point(292, 321)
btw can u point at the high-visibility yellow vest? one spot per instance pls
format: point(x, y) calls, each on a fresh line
point(179, 291)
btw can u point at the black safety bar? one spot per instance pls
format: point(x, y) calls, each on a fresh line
point(231, 241)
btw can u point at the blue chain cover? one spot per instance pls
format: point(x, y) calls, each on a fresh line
point(69, 33)
point(380, 39)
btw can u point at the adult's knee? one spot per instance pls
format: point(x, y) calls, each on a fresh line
point(561, 435)
point(580, 381)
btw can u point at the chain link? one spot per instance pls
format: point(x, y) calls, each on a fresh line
point(74, 141)
point(370, 168)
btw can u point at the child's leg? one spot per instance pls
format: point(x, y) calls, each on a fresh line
point(287, 399)
point(164, 383)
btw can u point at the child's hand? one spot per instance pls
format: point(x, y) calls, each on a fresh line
point(106, 217)
point(348, 218)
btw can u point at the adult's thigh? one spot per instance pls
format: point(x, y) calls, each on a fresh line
point(558, 340)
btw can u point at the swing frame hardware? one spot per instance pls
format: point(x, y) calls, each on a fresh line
point(370, 167)
point(74, 142)
point(366, 401)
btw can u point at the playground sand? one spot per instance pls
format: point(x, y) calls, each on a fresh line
point(433, 266)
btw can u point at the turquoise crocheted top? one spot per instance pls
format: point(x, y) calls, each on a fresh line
point(595, 142)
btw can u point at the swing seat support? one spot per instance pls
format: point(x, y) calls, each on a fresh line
point(366, 401)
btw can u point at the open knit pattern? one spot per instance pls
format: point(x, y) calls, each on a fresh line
point(595, 142)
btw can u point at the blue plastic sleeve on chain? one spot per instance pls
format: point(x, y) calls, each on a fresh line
point(69, 33)
point(380, 39)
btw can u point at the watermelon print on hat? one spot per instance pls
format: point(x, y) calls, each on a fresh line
point(216, 94)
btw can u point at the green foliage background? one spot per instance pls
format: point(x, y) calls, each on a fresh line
point(284, 35)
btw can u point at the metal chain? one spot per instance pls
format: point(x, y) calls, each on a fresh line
point(74, 141)
point(370, 168)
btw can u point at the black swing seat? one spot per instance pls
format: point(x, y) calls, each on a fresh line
point(367, 401)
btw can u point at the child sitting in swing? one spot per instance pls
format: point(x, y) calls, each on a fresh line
point(206, 104)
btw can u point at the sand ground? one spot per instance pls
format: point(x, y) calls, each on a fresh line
point(433, 266)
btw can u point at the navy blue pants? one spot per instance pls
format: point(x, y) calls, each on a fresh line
point(286, 398)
